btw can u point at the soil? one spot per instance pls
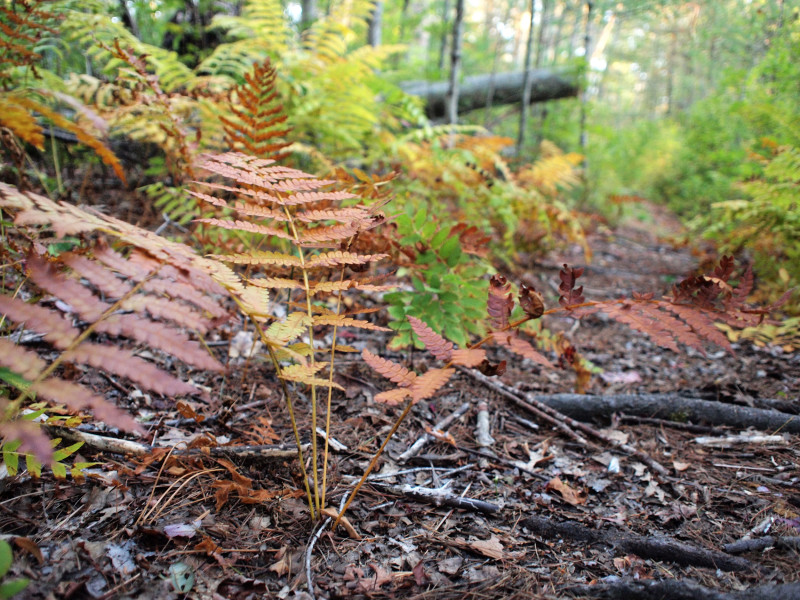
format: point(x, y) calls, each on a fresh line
point(199, 526)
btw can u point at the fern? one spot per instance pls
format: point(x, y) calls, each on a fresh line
point(285, 205)
point(149, 296)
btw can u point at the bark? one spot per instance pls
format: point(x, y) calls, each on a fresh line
point(455, 64)
point(507, 89)
point(308, 13)
point(671, 406)
point(443, 42)
point(375, 25)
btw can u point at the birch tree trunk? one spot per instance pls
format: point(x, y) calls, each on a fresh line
point(375, 25)
point(526, 83)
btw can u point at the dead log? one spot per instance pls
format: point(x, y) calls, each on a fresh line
point(670, 406)
point(508, 89)
point(677, 589)
point(648, 547)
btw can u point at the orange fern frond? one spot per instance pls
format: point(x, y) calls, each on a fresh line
point(341, 258)
point(433, 342)
point(511, 341)
point(257, 125)
point(391, 370)
point(427, 384)
point(392, 397)
point(468, 357)
point(341, 321)
point(261, 257)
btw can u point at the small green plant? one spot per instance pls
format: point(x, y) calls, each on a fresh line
point(445, 267)
point(9, 589)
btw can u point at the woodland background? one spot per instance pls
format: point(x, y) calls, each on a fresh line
point(464, 140)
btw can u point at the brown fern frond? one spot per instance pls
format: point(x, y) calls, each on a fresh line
point(330, 233)
point(500, 303)
point(429, 383)
point(433, 342)
point(340, 258)
point(259, 211)
point(261, 257)
point(531, 301)
point(25, 363)
point(341, 321)
point(391, 370)
point(344, 215)
point(702, 322)
point(54, 327)
point(511, 341)
point(257, 125)
point(276, 283)
point(468, 357)
point(392, 397)
point(247, 226)
point(78, 397)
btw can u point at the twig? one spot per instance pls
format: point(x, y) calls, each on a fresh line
point(426, 438)
point(313, 542)
point(439, 496)
point(565, 422)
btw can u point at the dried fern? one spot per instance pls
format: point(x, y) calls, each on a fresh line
point(290, 208)
point(95, 300)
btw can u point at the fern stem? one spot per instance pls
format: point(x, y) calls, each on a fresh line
point(330, 396)
point(289, 405)
point(310, 313)
point(374, 460)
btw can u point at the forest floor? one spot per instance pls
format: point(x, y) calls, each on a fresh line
point(560, 515)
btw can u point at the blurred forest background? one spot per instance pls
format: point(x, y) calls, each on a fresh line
point(692, 105)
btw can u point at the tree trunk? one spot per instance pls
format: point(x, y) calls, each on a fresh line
point(507, 89)
point(308, 14)
point(375, 25)
point(526, 82)
point(455, 64)
point(443, 45)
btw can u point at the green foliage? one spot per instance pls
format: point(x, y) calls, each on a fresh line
point(448, 287)
point(8, 589)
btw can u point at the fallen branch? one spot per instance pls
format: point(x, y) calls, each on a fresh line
point(762, 543)
point(669, 406)
point(676, 589)
point(655, 548)
point(118, 446)
point(533, 405)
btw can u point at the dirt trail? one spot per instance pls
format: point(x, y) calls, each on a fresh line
point(554, 513)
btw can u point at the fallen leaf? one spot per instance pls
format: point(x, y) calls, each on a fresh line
point(569, 494)
point(419, 573)
point(284, 563)
point(680, 466)
point(491, 547)
point(373, 583)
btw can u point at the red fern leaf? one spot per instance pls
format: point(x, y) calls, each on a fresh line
point(500, 303)
point(391, 370)
point(340, 321)
point(436, 344)
point(570, 295)
point(78, 397)
point(247, 226)
point(630, 315)
point(52, 325)
point(122, 362)
point(338, 258)
point(23, 362)
point(702, 322)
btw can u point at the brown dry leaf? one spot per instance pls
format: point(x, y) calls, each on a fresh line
point(284, 563)
point(30, 547)
point(420, 577)
point(373, 583)
point(334, 514)
point(491, 547)
point(680, 466)
point(569, 494)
